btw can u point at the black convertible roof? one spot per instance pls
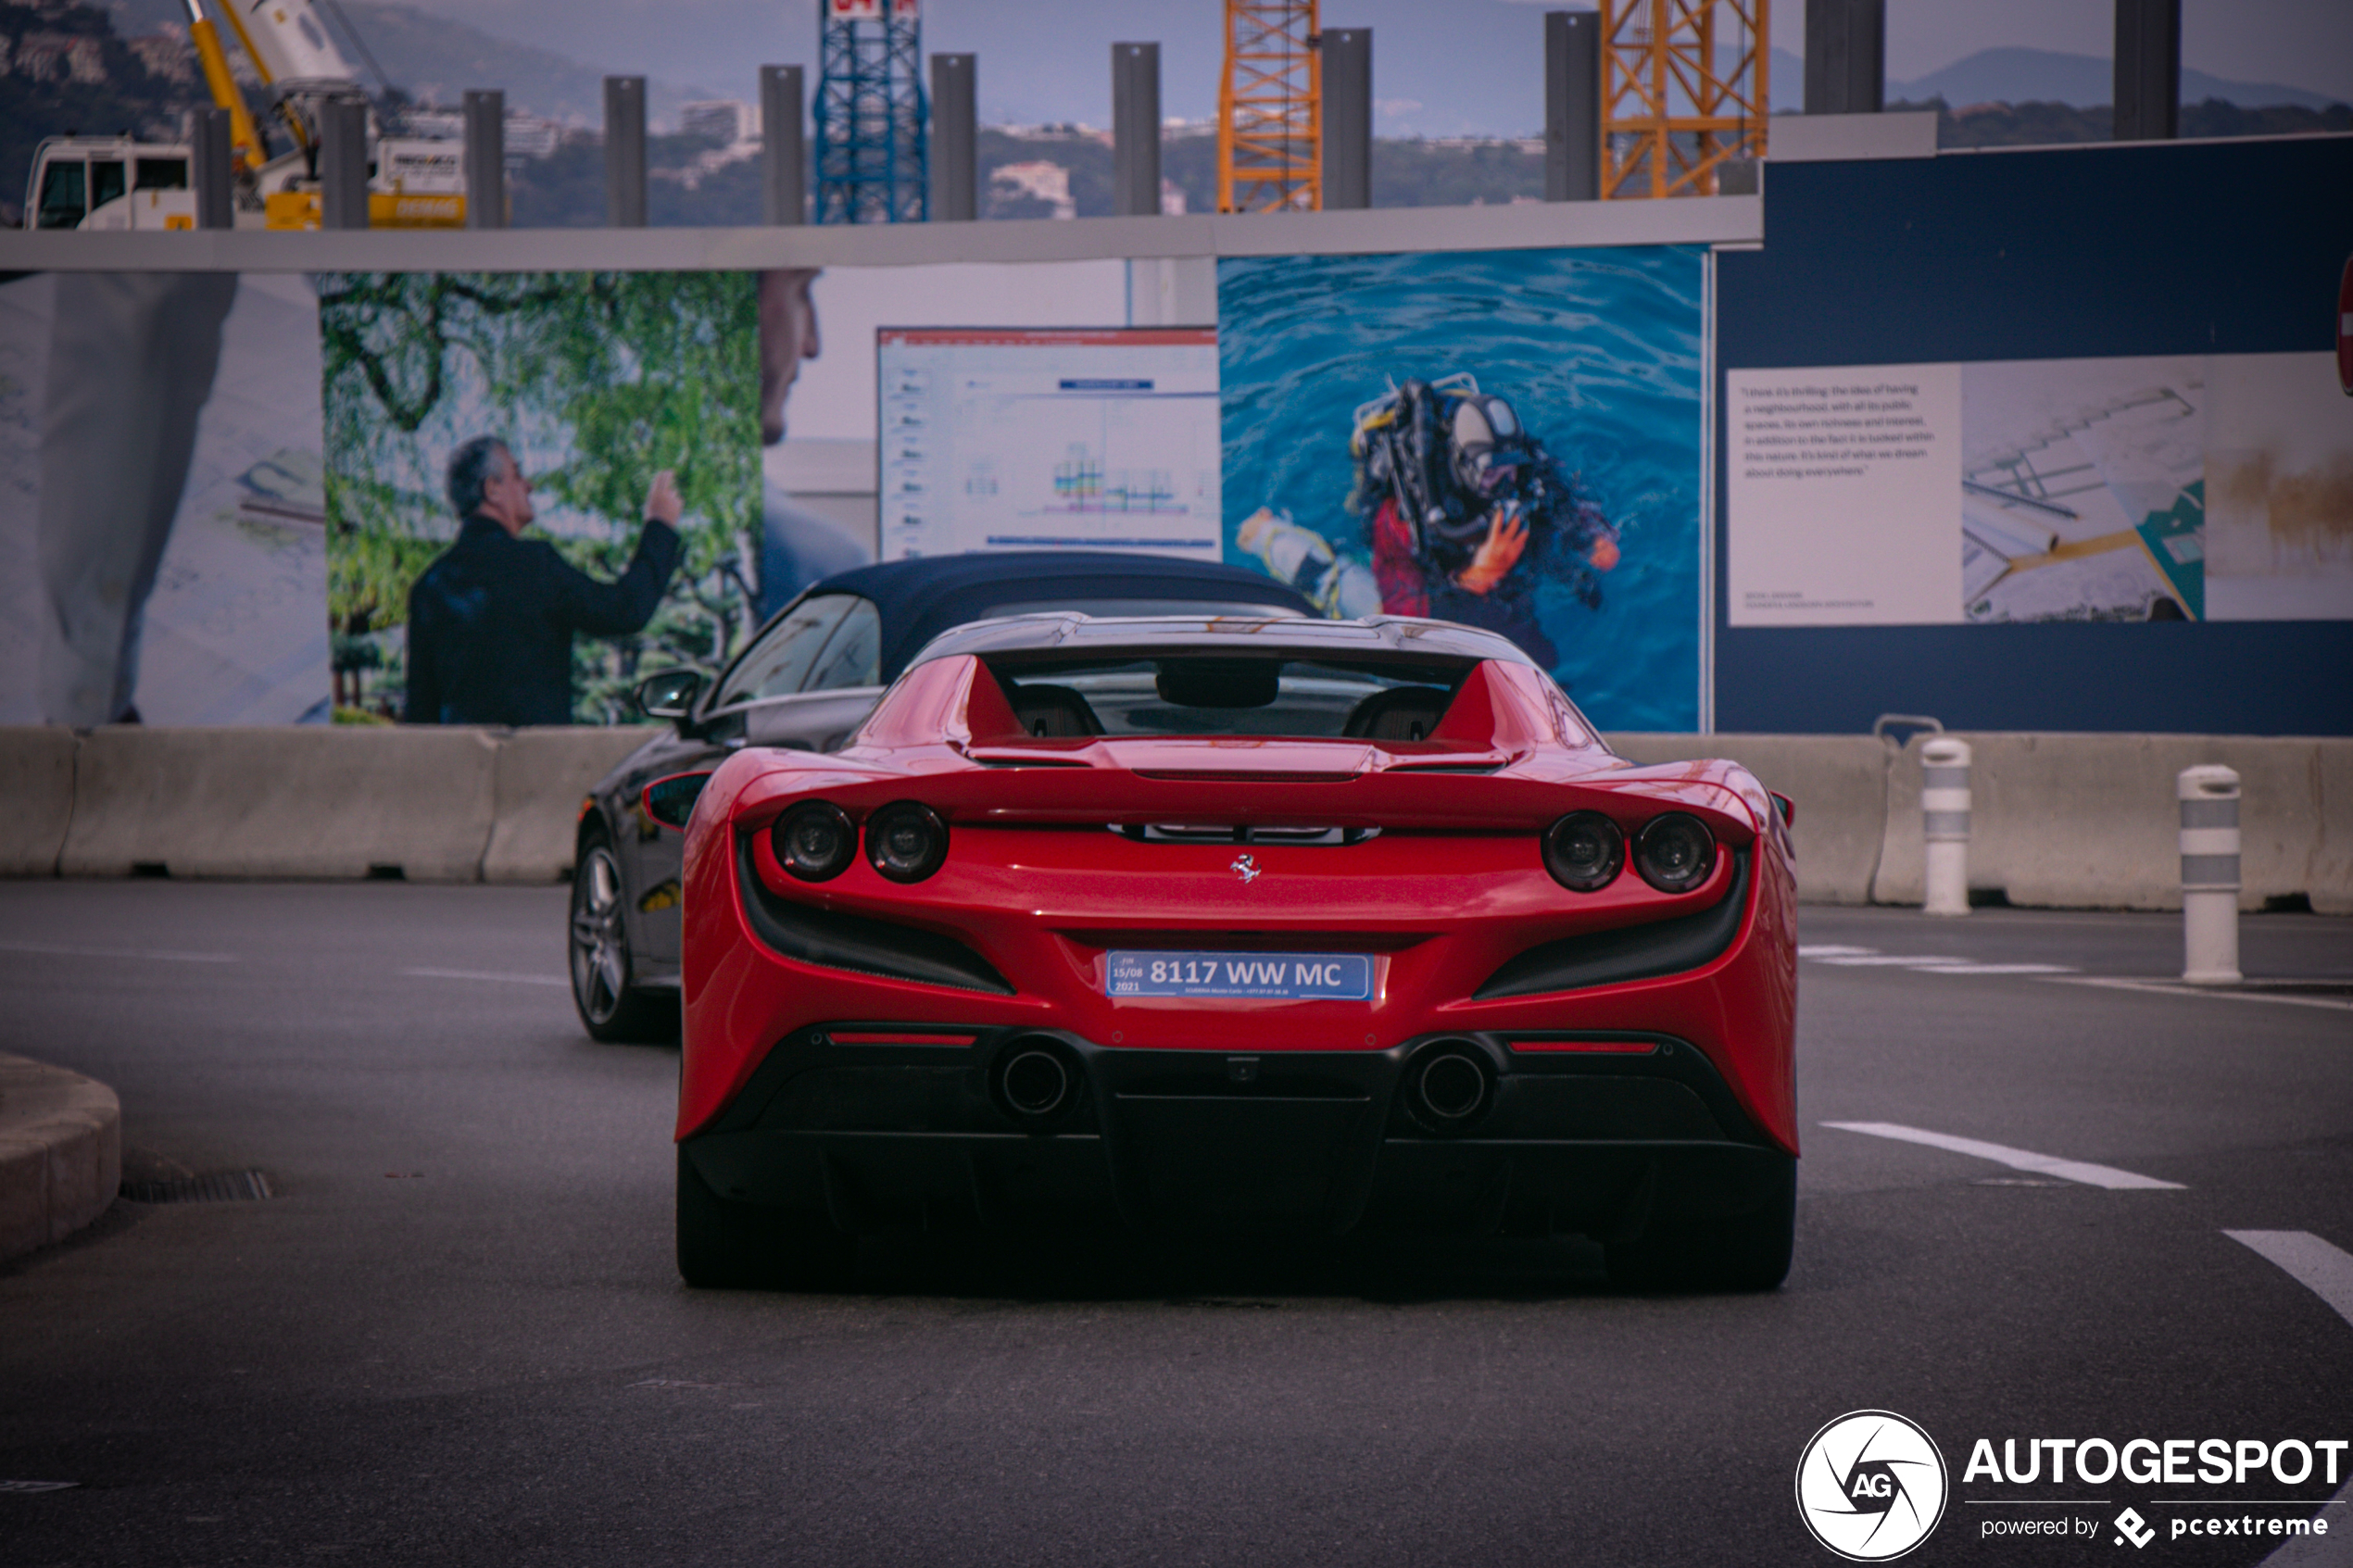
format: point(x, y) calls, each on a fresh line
point(920, 599)
point(1384, 637)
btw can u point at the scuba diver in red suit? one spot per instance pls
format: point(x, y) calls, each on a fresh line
point(1467, 512)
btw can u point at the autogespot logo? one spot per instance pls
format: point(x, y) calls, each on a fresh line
point(1870, 1486)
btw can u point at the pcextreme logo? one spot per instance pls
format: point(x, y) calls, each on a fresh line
point(1870, 1486)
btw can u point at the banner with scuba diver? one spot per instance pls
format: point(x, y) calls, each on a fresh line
point(1509, 438)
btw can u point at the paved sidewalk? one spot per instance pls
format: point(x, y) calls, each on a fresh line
point(61, 1153)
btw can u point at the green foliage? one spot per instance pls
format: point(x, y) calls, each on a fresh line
point(596, 381)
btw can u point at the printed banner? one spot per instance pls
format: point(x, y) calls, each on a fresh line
point(1510, 439)
point(162, 529)
point(2199, 488)
point(610, 398)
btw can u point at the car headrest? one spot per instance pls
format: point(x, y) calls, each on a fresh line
point(1052, 710)
point(1399, 713)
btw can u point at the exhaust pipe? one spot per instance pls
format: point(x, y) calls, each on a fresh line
point(1449, 1089)
point(1036, 1080)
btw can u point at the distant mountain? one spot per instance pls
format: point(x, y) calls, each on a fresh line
point(434, 59)
point(2045, 76)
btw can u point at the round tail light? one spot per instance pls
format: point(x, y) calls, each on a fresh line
point(1584, 851)
point(906, 841)
point(1675, 852)
point(815, 841)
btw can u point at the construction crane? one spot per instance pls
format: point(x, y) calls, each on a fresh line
point(1683, 90)
point(872, 121)
point(1270, 109)
point(120, 182)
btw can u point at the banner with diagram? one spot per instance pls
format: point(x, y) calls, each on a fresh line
point(2214, 487)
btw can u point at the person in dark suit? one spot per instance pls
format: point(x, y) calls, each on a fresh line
point(491, 621)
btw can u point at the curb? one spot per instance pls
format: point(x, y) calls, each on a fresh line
point(61, 1153)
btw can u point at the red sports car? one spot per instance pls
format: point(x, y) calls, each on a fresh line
point(1236, 925)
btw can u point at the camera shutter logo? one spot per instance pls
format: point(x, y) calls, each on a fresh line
point(1871, 1485)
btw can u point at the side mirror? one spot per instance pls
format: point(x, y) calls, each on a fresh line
point(670, 694)
point(672, 801)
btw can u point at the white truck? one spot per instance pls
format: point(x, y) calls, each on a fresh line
point(117, 182)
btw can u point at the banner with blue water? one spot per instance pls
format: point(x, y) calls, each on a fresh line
point(1508, 438)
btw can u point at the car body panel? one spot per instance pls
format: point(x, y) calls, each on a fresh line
point(1053, 863)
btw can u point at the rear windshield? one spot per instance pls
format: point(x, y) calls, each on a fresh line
point(1331, 698)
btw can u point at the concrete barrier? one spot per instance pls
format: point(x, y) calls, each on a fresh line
point(2332, 890)
point(2090, 822)
point(301, 801)
point(540, 779)
point(36, 780)
point(1837, 783)
point(61, 1153)
point(2060, 820)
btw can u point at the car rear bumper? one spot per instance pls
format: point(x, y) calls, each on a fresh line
point(1596, 1134)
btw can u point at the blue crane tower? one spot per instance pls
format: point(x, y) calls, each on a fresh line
point(872, 157)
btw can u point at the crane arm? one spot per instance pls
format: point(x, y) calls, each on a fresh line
point(244, 139)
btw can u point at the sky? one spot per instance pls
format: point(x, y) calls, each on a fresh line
point(1462, 65)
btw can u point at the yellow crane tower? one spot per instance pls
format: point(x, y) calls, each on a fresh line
point(1682, 90)
point(1270, 109)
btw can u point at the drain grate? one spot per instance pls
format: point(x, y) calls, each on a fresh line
point(222, 1186)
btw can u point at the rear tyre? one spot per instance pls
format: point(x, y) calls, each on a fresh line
point(1749, 1251)
point(726, 1244)
point(612, 1009)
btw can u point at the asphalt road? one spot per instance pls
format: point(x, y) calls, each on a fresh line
point(455, 1335)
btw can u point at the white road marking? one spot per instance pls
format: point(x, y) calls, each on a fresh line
point(2164, 988)
point(158, 953)
point(1885, 961)
point(2001, 1154)
point(1823, 950)
point(2327, 1273)
point(486, 974)
point(1995, 968)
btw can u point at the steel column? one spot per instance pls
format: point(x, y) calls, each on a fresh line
point(1135, 128)
point(485, 160)
point(784, 194)
point(1348, 117)
point(1572, 105)
point(626, 152)
point(955, 128)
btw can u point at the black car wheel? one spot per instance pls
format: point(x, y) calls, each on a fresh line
point(611, 1008)
point(726, 1244)
point(1747, 1252)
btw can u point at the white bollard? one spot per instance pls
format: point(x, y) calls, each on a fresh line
point(1945, 822)
point(2209, 797)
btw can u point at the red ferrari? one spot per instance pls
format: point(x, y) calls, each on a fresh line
point(1240, 925)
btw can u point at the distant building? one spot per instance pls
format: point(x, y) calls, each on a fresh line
point(165, 54)
point(526, 135)
point(56, 57)
point(729, 121)
point(1046, 181)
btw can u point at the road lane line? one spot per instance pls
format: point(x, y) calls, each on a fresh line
point(2327, 1271)
point(2017, 1159)
point(1825, 950)
point(1883, 960)
point(2160, 989)
point(158, 953)
point(486, 974)
point(1993, 968)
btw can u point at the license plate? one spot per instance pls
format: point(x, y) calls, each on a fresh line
point(1346, 977)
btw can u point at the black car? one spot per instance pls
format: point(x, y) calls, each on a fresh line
point(808, 680)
